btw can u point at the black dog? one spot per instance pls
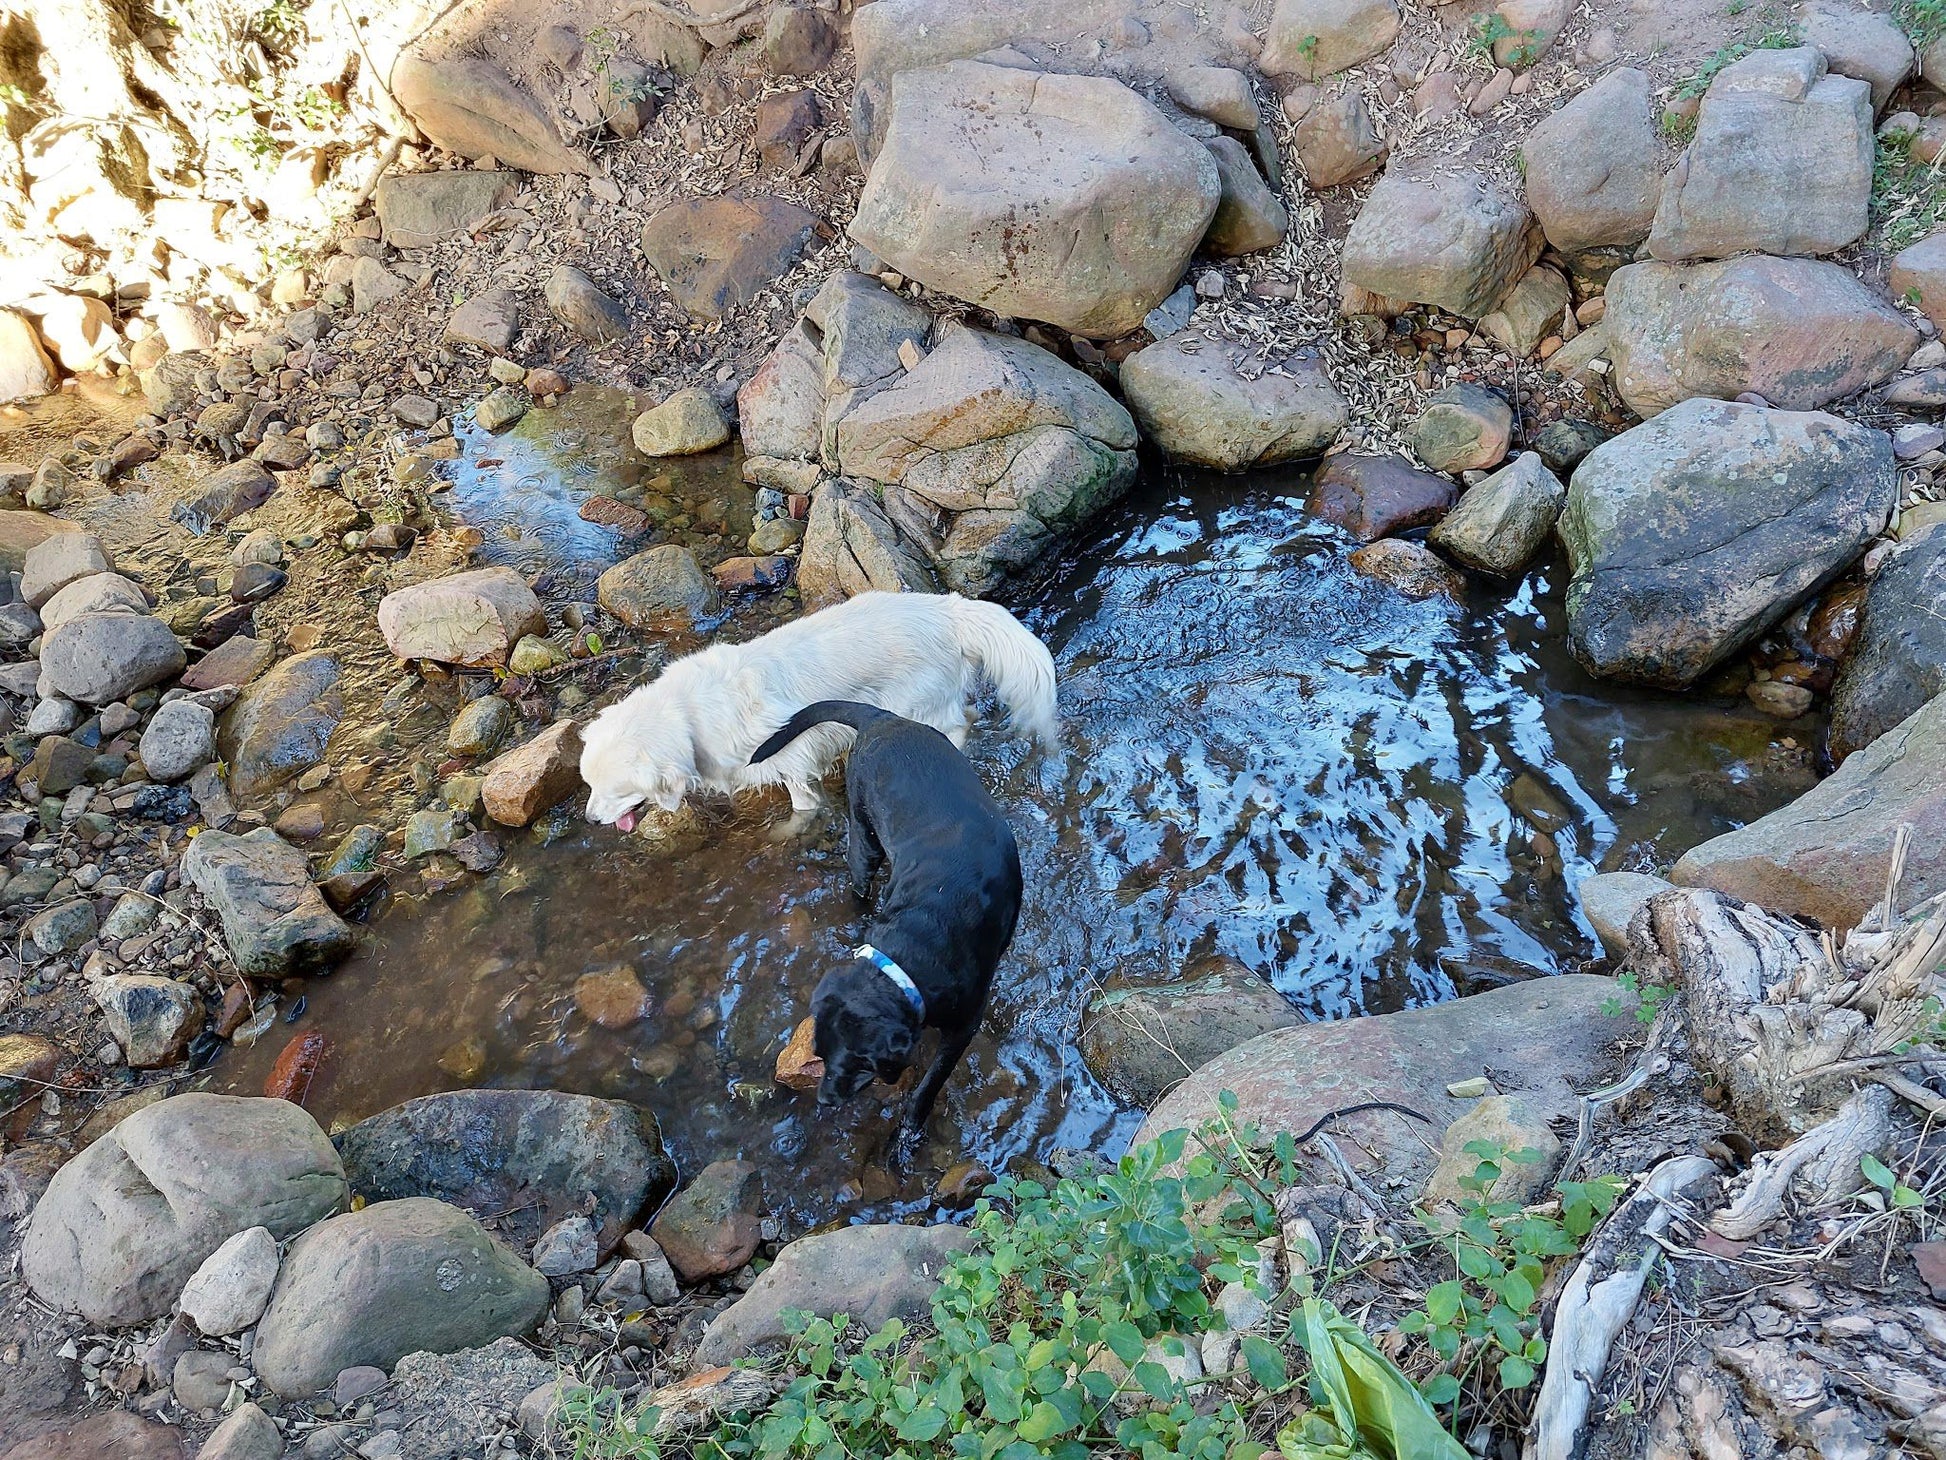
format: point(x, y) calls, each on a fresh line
point(943, 923)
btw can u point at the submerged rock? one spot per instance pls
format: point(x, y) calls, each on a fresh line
point(398, 1277)
point(275, 921)
point(1695, 532)
point(531, 778)
point(1142, 1040)
point(128, 1221)
point(281, 726)
point(1825, 856)
point(491, 1150)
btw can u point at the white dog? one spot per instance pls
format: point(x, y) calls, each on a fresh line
point(919, 655)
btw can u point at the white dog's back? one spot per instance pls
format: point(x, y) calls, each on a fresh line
point(916, 655)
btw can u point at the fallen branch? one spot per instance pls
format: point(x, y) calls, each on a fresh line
point(1824, 1161)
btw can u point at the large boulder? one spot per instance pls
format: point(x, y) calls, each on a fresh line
point(1826, 855)
point(717, 254)
point(989, 452)
point(274, 919)
point(1451, 238)
point(1217, 403)
point(1142, 1040)
point(280, 726)
point(472, 107)
point(1069, 199)
point(868, 333)
point(658, 585)
point(1695, 532)
point(1498, 525)
point(1317, 38)
point(872, 1273)
point(1546, 1037)
point(473, 618)
point(1898, 660)
point(25, 370)
point(371, 1286)
point(1590, 167)
point(1798, 332)
point(780, 411)
point(419, 209)
point(1856, 42)
point(125, 1224)
point(542, 1155)
point(1918, 273)
point(1781, 163)
point(98, 658)
point(851, 546)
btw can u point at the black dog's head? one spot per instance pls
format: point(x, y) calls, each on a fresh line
point(864, 1030)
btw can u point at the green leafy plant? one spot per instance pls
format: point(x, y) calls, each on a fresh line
point(1908, 197)
point(1780, 39)
point(1881, 1176)
point(1924, 20)
point(1488, 1312)
point(281, 23)
point(1649, 998)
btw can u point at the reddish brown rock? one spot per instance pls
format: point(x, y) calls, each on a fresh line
point(1375, 496)
point(231, 664)
point(608, 512)
point(530, 778)
point(798, 1066)
point(612, 997)
point(712, 1226)
point(753, 575)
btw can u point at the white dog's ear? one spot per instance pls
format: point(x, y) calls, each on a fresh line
point(669, 798)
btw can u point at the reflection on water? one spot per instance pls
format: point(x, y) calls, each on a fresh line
point(1373, 801)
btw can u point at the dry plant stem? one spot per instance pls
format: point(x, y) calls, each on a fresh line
point(1598, 1301)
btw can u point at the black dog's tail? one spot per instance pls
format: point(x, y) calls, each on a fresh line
point(840, 712)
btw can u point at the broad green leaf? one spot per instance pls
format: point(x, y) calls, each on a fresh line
point(1877, 1172)
point(1443, 1301)
point(1126, 1341)
point(1265, 1362)
point(1440, 1389)
point(1042, 1423)
point(1515, 1372)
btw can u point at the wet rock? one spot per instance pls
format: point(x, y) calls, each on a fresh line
point(420, 209)
point(1141, 1041)
point(613, 997)
point(445, 1401)
point(1859, 43)
point(25, 370)
point(242, 486)
point(1898, 661)
point(1374, 496)
point(127, 1222)
point(535, 655)
point(1515, 1123)
point(1499, 525)
point(274, 920)
point(799, 40)
point(1797, 332)
point(1610, 900)
point(500, 409)
point(1825, 855)
point(1781, 163)
point(372, 1286)
point(96, 593)
point(481, 726)
point(153, 1019)
point(1210, 401)
point(280, 726)
point(712, 1226)
point(432, 830)
point(656, 586)
point(1249, 216)
point(1695, 532)
point(988, 453)
point(1318, 38)
point(1551, 1030)
point(1446, 238)
point(579, 303)
point(531, 778)
point(874, 1273)
point(228, 1291)
point(542, 1151)
point(472, 107)
point(53, 560)
point(1411, 568)
point(180, 740)
point(1082, 158)
point(470, 618)
point(850, 546)
point(1463, 427)
point(1780, 700)
point(1918, 274)
point(716, 254)
point(1530, 313)
point(97, 658)
point(1591, 167)
point(687, 422)
point(247, 1434)
point(490, 319)
point(566, 1249)
point(1337, 142)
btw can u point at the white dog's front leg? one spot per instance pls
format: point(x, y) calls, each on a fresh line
point(806, 803)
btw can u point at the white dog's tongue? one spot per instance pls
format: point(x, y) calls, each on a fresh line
point(626, 821)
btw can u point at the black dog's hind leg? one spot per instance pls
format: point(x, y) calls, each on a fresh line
point(864, 854)
point(912, 1129)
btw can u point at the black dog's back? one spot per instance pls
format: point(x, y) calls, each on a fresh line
point(953, 894)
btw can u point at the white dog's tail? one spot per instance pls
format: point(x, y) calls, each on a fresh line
point(1018, 664)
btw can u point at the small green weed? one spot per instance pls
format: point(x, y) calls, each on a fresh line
point(1908, 197)
point(1490, 29)
point(1924, 20)
point(1780, 39)
point(1882, 1178)
point(1649, 998)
